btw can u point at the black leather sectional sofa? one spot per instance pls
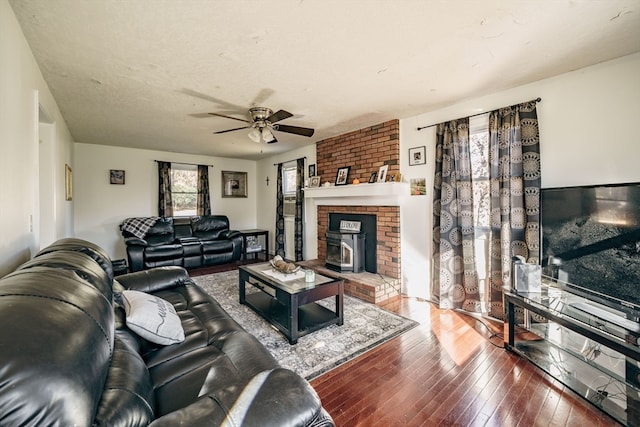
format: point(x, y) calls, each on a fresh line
point(69, 358)
point(189, 242)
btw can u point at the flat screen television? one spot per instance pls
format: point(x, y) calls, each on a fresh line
point(591, 242)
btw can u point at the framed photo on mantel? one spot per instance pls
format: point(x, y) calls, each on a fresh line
point(342, 175)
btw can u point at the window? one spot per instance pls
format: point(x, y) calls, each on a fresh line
point(480, 182)
point(184, 189)
point(289, 176)
point(479, 154)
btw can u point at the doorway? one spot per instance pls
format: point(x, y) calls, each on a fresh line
point(44, 226)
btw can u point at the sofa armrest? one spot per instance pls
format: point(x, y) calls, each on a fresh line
point(271, 399)
point(135, 241)
point(155, 279)
point(228, 234)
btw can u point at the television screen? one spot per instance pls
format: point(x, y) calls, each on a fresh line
point(591, 239)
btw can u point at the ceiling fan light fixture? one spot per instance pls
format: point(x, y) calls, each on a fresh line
point(255, 135)
point(267, 135)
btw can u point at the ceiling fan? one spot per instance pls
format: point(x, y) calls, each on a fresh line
point(263, 123)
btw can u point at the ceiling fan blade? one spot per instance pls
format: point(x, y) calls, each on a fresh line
point(295, 130)
point(231, 130)
point(229, 117)
point(273, 140)
point(279, 115)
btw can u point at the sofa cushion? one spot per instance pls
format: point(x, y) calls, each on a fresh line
point(162, 253)
point(153, 318)
point(215, 346)
point(217, 247)
point(128, 398)
point(92, 250)
point(161, 233)
point(209, 227)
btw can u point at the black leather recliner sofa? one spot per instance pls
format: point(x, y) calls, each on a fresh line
point(189, 242)
point(68, 357)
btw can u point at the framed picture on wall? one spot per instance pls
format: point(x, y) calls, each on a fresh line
point(234, 184)
point(116, 176)
point(417, 156)
point(312, 170)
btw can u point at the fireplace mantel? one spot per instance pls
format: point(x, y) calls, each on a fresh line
point(379, 193)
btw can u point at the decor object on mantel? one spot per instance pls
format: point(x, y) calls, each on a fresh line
point(365, 327)
point(282, 266)
point(342, 175)
point(382, 173)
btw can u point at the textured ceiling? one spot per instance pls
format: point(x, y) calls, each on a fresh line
point(142, 73)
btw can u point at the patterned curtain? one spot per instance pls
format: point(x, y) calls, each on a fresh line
point(299, 232)
point(511, 204)
point(165, 203)
point(514, 162)
point(204, 202)
point(455, 283)
point(279, 214)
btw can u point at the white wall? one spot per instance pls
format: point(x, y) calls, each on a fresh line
point(100, 206)
point(588, 135)
point(21, 89)
point(266, 215)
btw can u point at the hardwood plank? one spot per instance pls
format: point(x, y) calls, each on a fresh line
point(447, 372)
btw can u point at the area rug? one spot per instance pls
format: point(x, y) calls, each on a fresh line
point(365, 326)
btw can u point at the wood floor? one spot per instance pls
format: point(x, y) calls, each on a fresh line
point(449, 371)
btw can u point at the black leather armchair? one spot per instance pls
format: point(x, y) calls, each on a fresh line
point(189, 242)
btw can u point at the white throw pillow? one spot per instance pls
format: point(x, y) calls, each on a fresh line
point(153, 318)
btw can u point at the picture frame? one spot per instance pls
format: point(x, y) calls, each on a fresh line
point(342, 175)
point(417, 156)
point(382, 173)
point(418, 186)
point(314, 182)
point(234, 184)
point(312, 171)
point(68, 182)
point(397, 177)
point(373, 177)
point(116, 176)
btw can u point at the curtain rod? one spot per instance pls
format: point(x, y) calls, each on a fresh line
point(473, 115)
point(183, 163)
point(292, 160)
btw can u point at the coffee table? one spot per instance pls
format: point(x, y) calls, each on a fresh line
point(288, 302)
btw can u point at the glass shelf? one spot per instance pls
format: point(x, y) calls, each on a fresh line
point(590, 347)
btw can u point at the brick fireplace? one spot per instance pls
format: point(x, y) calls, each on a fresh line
point(387, 234)
point(364, 150)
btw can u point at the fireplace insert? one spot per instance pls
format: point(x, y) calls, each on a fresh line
point(345, 251)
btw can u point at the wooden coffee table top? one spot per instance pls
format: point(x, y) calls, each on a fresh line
point(290, 283)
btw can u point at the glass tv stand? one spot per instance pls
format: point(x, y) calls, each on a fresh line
point(589, 347)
